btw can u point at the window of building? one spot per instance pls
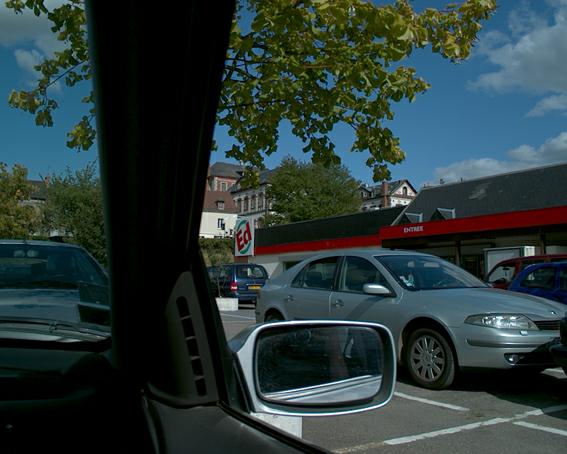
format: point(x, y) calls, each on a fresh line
point(239, 205)
point(224, 186)
point(253, 203)
point(220, 223)
point(405, 190)
point(260, 201)
point(245, 208)
point(220, 204)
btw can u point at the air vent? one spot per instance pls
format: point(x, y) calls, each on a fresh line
point(192, 345)
point(548, 325)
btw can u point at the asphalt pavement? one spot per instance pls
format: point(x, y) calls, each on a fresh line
point(482, 413)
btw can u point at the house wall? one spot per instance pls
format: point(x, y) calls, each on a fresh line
point(209, 225)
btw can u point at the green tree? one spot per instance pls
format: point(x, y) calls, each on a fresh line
point(217, 251)
point(74, 208)
point(312, 63)
point(18, 218)
point(301, 191)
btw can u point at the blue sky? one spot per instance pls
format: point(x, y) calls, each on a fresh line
point(504, 109)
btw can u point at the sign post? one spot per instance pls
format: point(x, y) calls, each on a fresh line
point(243, 238)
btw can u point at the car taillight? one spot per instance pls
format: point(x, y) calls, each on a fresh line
point(233, 286)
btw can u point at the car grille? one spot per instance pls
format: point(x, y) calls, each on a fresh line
point(548, 325)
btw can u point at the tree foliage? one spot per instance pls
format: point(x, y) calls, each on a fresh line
point(18, 218)
point(74, 208)
point(217, 251)
point(312, 63)
point(302, 191)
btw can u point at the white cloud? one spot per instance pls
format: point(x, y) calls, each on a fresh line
point(28, 59)
point(532, 58)
point(549, 104)
point(554, 150)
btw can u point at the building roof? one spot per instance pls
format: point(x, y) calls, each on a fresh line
point(265, 176)
point(39, 191)
point(349, 225)
point(210, 204)
point(536, 188)
point(393, 186)
point(225, 169)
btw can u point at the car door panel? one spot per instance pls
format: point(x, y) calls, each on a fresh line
point(348, 302)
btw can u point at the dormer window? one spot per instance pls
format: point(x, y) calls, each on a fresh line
point(220, 204)
point(405, 190)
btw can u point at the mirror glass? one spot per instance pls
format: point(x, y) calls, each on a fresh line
point(318, 365)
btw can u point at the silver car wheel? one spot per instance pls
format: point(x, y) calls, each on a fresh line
point(427, 358)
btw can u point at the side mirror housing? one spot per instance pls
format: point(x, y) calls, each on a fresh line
point(376, 289)
point(316, 368)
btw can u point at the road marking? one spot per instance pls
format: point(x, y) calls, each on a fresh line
point(551, 430)
point(451, 430)
point(430, 402)
point(555, 371)
point(224, 314)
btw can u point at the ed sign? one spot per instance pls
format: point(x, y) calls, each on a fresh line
point(243, 238)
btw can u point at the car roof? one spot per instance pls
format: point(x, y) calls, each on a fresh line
point(39, 243)
point(369, 252)
point(531, 257)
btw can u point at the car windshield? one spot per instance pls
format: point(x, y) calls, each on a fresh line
point(54, 283)
point(414, 272)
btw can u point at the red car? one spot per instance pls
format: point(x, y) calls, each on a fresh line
point(504, 272)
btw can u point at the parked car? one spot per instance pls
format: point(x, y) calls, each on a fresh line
point(559, 349)
point(238, 280)
point(443, 319)
point(48, 281)
point(548, 280)
point(505, 271)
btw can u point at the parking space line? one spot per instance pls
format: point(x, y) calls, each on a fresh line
point(551, 430)
point(452, 430)
point(223, 314)
point(555, 372)
point(430, 402)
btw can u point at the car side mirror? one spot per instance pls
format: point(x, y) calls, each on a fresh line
point(376, 289)
point(316, 368)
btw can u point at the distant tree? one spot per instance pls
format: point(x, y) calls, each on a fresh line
point(217, 251)
point(74, 207)
point(17, 218)
point(301, 191)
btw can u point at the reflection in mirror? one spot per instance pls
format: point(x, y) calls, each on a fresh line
point(319, 365)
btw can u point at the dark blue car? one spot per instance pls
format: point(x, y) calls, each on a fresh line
point(548, 280)
point(238, 280)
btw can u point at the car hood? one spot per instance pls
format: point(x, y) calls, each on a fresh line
point(492, 300)
point(51, 304)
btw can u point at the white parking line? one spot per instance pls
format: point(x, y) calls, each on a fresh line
point(430, 402)
point(555, 372)
point(452, 430)
point(223, 314)
point(551, 430)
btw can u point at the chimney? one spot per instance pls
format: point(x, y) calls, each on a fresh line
point(385, 200)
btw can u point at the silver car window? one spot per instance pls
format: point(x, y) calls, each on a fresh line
point(356, 272)
point(317, 275)
point(415, 272)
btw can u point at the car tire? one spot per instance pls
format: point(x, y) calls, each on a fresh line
point(273, 317)
point(430, 359)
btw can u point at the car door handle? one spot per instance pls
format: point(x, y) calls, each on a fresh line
point(289, 299)
point(338, 303)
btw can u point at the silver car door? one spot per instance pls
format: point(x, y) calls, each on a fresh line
point(307, 297)
point(349, 302)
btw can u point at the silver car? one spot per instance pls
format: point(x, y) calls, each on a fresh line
point(443, 319)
